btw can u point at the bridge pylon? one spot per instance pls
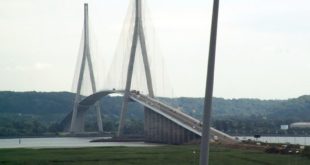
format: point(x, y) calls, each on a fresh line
point(138, 35)
point(77, 121)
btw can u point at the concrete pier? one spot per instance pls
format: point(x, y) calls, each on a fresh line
point(158, 129)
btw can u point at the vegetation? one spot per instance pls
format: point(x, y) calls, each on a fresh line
point(307, 151)
point(39, 113)
point(18, 126)
point(169, 155)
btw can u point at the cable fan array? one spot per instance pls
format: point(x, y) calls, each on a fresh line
point(116, 75)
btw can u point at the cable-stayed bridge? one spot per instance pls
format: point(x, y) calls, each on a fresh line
point(162, 123)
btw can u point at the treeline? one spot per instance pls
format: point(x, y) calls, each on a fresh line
point(16, 125)
point(255, 125)
point(39, 113)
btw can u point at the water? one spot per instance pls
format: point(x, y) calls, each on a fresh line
point(66, 142)
point(276, 139)
point(72, 142)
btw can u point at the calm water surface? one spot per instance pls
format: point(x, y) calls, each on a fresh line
point(72, 142)
point(66, 142)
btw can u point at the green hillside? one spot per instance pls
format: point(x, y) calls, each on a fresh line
point(34, 113)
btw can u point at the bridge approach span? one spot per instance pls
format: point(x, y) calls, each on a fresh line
point(181, 119)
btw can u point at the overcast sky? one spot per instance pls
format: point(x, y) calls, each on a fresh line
point(263, 45)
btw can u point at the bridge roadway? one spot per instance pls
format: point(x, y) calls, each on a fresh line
point(179, 117)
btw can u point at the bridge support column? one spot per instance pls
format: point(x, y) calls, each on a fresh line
point(77, 120)
point(173, 132)
point(160, 126)
point(166, 130)
point(99, 119)
point(178, 134)
point(170, 126)
point(181, 133)
point(138, 35)
point(146, 126)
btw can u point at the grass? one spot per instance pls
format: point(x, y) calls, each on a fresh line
point(161, 155)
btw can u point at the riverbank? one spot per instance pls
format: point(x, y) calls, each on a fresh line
point(164, 155)
point(119, 139)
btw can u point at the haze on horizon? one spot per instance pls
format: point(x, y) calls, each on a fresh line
point(263, 46)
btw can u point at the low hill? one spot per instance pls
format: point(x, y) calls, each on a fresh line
point(229, 115)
